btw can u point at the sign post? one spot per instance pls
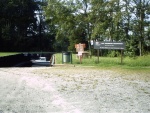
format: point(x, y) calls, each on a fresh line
point(80, 49)
point(121, 56)
point(98, 55)
point(110, 45)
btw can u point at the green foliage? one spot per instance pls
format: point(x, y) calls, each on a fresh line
point(16, 16)
point(70, 24)
point(113, 53)
point(75, 21)
point(131, 48)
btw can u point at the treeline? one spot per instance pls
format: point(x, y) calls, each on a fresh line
point(57, 25)
point(80, 21)
point(20, 29)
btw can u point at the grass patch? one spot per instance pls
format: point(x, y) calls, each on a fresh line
point(7, 53)
point(137, 62)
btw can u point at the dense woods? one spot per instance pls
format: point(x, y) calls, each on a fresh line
point(20, 26)
point(16, 17)
point(57, 25)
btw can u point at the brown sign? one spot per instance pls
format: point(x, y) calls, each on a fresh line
point(79, 47)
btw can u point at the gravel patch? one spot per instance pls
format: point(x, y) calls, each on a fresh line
point(73, 90)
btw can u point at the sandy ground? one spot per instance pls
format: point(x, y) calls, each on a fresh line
point(73, 90)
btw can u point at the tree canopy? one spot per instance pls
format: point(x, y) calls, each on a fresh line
point(113, 20)
point(65, 23)
point(16, 17)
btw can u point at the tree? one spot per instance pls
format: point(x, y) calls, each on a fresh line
point(70, 19)
point(141, 21)
point(16, 16)
point(127, 19)
point(107, 19)
point(113, 20)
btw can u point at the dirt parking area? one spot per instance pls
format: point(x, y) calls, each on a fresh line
point(73, 90)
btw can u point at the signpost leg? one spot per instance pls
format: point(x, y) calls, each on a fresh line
point(98, 55)
point(71, 57)
point(62, 58)
point(121, 57)
point(80, 56)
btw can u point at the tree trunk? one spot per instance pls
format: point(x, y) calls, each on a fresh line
point(140, 47)
point(141, 27)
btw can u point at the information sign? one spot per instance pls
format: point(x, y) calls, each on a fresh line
point(109, 45)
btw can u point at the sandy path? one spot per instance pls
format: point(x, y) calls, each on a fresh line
point(72, 90)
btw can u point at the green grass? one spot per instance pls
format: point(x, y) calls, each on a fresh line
point(138, 61)
point(106, 62)
point(7, 53)
point(128, 62)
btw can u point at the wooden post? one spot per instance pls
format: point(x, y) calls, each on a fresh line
point(71, 57)
point(62, 58)
point(97, 55)
point(121, 57)
point(80, 56)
